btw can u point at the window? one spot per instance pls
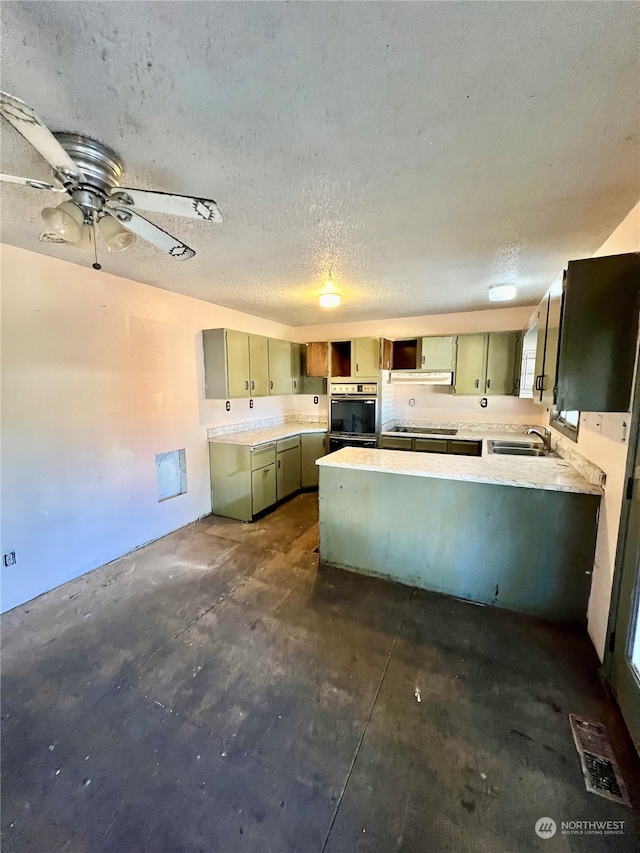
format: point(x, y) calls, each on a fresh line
point(566, 423)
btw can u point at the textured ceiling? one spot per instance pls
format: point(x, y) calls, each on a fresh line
point(421, 150)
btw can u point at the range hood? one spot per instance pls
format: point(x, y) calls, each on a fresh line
point(422, 377)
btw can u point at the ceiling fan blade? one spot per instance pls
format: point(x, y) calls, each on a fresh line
point(27, 123)
point(177, 205)
point(28, 182)
point(150, 232)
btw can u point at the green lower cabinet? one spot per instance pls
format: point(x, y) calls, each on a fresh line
point(391, 442)
point(288, 469)
point(313, 447)
point(431, 445)
point(263, 488)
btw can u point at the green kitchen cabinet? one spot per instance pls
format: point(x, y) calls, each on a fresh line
point(263, 488)
point(259, 365)
point(280, 380)
point(487, 364)
point(243, 479)
point(365, 357)
point(437, 353)
point(471, 365)
point(549, 314)
point(297, 385)
point(313, 446)
point(502, 351)
point(288, 467)
point(226, 363)
point(395, 442)
point(599, 334)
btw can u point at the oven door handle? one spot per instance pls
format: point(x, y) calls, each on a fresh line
point(370, 400)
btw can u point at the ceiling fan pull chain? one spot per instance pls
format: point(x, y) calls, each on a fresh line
point(96, 265)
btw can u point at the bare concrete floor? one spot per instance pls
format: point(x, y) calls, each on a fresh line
point(216, 691)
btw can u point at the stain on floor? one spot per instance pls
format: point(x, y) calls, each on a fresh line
point(219, 691)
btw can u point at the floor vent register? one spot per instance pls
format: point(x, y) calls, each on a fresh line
point(599, 767)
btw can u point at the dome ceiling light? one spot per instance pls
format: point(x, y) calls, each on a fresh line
point(502, 292)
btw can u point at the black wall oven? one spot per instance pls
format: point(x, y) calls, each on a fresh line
point(353, 414)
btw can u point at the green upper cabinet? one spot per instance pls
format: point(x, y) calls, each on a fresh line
point(552, 343)
point(437, 353)
point(541, 324)
point(487, 364)
point(280, 380)
point(599, 334)
point(471, 364)
point(259, 365)
point(365, 357)
point(296, 368)
point(502, 358)
point(226, 364)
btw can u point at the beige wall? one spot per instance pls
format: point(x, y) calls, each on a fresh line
point(606, 447)
point(99, 374)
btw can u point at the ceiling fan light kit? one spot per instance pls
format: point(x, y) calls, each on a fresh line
point(66, 220)
point(117, 237)
point(90, 173)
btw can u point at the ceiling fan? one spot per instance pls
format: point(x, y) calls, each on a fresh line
point(89, 172)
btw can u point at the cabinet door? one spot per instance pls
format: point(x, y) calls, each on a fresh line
point(460, 447)
point(313, 447)
point(438, 353)
point(431, 445)
point(238, 373)
point(470, 365)
point(365, 357)
point(392, 442)
point(552, 343)
point(543, 310)
point(317, 358)
point(599, 334)
point(259, 365)
point(501, 362)
point(288, 472)
point(280, 381)
point(387, 354)
point(296, 368)
point(263, 488)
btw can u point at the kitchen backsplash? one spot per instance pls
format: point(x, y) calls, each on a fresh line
point(435, 403)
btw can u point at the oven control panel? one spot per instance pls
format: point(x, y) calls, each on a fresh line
point(367, 389)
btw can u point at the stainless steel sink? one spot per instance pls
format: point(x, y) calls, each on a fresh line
point(517, 448)
point(519, 451)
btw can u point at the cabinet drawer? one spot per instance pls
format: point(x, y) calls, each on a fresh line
point(431, 445)
point(465, 448)
point(388, 442)
point(263, 488)
point(288, 443)
point(261, 456)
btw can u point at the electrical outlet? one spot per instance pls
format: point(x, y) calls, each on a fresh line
point(10, 558)
point(315, 400)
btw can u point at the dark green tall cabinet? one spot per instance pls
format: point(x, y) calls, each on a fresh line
point(599, 334)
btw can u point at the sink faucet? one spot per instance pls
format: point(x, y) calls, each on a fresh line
point(544, 434)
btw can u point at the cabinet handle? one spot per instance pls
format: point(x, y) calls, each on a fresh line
point(424, 358)
point(488, 383)
point(279, 463)
point(253, 385)
point(477, 383)
point(246, 384)
point(271, 385)
point(357, 367)
point(295, 384)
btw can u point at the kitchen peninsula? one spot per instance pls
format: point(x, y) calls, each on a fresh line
point(433, 521)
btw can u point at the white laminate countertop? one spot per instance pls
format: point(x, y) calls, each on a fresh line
point(528, 472)
point(471, 432)
point(263, 435)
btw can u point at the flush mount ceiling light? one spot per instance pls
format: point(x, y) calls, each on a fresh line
point(502, 292)
point(329, 298)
